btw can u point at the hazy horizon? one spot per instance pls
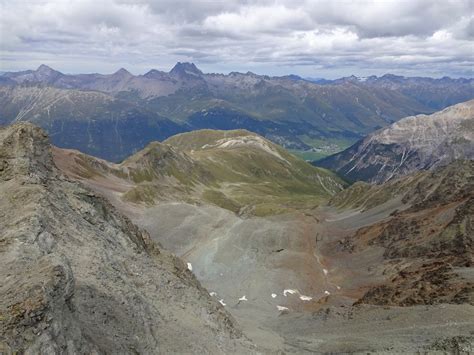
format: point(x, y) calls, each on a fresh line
point(226, 73)
point(312, 38)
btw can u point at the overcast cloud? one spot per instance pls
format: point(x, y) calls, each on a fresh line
point(311, 38)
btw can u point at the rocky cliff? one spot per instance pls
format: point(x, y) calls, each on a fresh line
point(78, 277)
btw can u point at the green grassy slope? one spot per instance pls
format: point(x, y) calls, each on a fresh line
point(237, 170)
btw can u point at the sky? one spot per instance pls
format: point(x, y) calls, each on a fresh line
point(310, 38)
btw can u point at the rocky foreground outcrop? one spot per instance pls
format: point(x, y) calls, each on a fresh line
point(78, 277)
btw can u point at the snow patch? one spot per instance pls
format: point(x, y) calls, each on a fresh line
point(290, 291)
point(281, 308)
point(274, 295)
point(305, 298)
point(327, 292)
point(252, 141)
point(243, 298)
point(190, 267)
point(221, 301)
point(212, 294)
point(325, 272)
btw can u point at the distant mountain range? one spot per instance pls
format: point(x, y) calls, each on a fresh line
point(297, 113)
point(414, 143)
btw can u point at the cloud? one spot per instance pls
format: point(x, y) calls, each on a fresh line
point(387, 18)
point(307, 37)
point(259, 19)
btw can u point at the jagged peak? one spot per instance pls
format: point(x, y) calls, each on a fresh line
point(45, 71)
point(122, 72)
point(186, 68)
point(45, 68)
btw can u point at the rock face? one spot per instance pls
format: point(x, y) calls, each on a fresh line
point(78, 277)
point(414, 143)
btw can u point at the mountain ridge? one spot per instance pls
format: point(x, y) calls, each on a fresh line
point(413, 143)
point(387, 77)
point(237, 170)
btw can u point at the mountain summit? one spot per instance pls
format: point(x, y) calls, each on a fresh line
point(185, 68)
point(44, 75)
point(43, 68)
point(122, 72)
point(47, 74)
